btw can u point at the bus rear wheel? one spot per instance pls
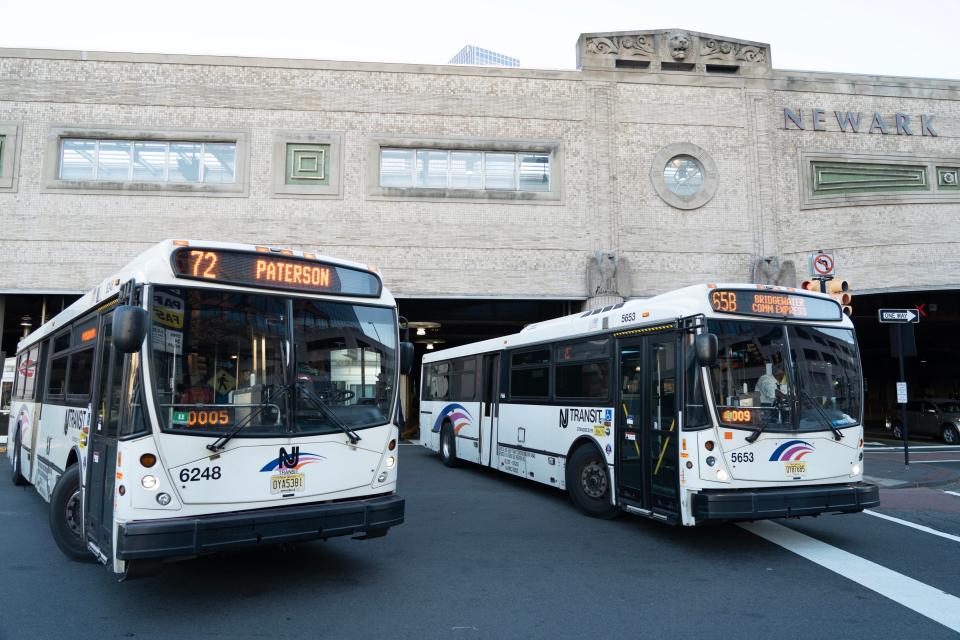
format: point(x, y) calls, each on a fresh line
point(66, 522)
point(16, 474)
point(588, 482)
point(448, 446)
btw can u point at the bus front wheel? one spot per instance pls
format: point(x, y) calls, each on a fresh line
point(17, 474)
point(448, 446)
point(66, 522)
point(588, 482)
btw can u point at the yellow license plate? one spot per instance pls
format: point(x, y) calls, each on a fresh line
point(794, 468)
point(287, 482)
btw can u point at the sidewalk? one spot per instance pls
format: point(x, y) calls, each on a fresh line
point(886, 469)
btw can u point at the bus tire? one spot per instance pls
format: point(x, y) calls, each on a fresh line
point(66, 522)
point(950, 434)
point(16, 463)
point(588, 482)
point(448, 446)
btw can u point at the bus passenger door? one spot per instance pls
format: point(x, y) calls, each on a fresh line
point(102, 451)
point(648, 424)
point(490, 408)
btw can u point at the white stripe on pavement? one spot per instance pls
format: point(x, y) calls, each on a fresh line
point(926, 600)
point(918, 527)
point(953, 493)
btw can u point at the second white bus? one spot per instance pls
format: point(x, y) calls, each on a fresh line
point(709, 403)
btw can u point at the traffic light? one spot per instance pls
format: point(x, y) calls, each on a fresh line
point(839, 290)
point(810, 285)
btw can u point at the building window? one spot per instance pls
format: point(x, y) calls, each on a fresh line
point(307, 164)
point(147, 161)
point(469, 169)
point(9, 141)
point(454, 169)
point(684, 176)
point(133, 162)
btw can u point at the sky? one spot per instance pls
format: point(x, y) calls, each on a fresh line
point(887, 37)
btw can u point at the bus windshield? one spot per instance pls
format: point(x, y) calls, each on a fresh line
point(779, 377)
point(276, 365)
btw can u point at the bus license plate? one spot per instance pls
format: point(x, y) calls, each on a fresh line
point(286, 483)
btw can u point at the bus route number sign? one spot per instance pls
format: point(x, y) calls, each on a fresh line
point(773, 304)
point(273, 271)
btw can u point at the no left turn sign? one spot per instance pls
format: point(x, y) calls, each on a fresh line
point(821, 264)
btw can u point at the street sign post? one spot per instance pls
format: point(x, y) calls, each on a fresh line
point(901, 316)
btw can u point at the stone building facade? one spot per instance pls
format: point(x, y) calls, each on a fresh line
point(772, 163)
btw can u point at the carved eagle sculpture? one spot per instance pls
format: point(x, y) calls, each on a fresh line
point(770, 270)
point(607, 274)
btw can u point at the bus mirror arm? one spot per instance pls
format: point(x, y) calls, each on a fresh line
point(706, 346)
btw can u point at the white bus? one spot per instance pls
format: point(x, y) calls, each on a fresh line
point(710, 403)
point(6, 389)
point(210, 396)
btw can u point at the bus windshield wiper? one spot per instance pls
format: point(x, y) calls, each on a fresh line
point(319, 403)
point(222, 441)
point(837, 434)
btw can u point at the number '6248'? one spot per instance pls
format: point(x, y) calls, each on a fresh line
point(196, 474)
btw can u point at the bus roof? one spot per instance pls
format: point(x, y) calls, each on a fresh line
point(153, 266)
point(662, 308)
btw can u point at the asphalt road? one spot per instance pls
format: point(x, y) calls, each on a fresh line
point(484, 555)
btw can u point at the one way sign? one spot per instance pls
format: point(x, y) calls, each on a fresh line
point(901, 316)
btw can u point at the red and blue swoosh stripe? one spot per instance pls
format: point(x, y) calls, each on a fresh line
point(457, 414)
point(791, 450)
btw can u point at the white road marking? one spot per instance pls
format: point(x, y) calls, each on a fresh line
point(918, 527)
point(913, 447)
point(931, 461)
point(953, 493)
point(926, 600)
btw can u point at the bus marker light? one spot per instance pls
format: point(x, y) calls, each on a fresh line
point(122, 490)
point(392, 445)
point(708, 445)
point(711, 461)
point(163, 499)
point(181, 243)
point(390, 462)
point(689, 465)
point(728, 435)
point(684, 441)
point(148, 460)
point(722, 475)
point(149, 482)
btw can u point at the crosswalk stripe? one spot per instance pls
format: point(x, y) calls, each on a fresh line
point(912, 525)
point(926, 600)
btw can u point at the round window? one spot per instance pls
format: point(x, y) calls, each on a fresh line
point(684, 176)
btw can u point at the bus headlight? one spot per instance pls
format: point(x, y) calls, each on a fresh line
point(722, 475)
point(390, 462)
point(855, 469)
point(163, 499)
point(382, 477)
point(149, 482)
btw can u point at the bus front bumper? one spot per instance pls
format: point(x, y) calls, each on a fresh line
point(171, 537)
point(719, 505)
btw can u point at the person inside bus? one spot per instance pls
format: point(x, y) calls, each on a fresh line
point(771, 387)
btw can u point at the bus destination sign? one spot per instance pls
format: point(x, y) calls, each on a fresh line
point(273, 271)
point(773, 304)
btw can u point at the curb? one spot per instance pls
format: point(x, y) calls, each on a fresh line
point(889, 483)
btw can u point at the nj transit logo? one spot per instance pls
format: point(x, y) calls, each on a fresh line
point(294, 460)
point(791, 451)
point(458, 415)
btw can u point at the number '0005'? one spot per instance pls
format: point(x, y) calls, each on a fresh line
point(204, 418)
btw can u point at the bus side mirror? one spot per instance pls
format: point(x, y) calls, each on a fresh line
point(130, 326)
point(706, 346)
point(406, 357)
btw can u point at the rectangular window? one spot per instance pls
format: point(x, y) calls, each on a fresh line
point(81, 373)
point(530, 374)
point(587, 380)
point(57, 383)
point(61, 342)
point(437, 384)
point(464, 169)
point(112, 160)
point(32, 368)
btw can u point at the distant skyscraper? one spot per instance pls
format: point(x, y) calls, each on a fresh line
point(475, 55)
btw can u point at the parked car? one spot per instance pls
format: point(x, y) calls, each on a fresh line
point(936, 417)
